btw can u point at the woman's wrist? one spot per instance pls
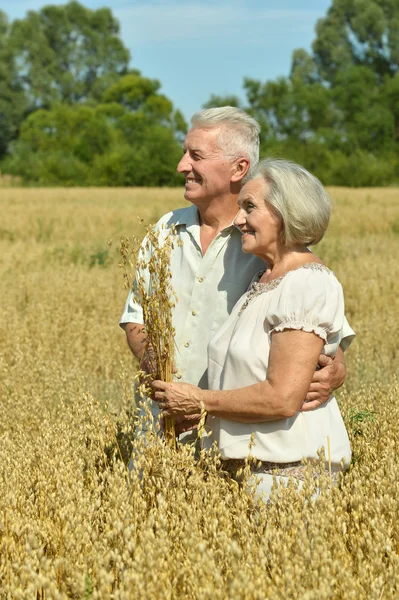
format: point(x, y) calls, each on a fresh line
point(201, 398)
point(205, 398)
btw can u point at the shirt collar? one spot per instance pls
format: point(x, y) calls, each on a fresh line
point(190, 218)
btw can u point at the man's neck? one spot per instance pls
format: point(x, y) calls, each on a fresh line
point(218, 214)
point(214, 217)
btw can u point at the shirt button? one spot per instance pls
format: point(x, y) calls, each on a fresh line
point(186, 345)
point(178, 375)
point(194, 313)
point(201, 279)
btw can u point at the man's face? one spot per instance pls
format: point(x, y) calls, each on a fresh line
point(207, 171)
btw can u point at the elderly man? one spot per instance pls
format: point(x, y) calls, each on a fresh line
point(209, 270)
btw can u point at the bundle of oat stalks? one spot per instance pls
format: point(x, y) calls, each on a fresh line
point(153, 289)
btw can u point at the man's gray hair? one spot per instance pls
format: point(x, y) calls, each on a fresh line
point(298, 198)
point(239, 133)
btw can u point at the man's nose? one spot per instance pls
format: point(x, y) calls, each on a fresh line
point(184, 164)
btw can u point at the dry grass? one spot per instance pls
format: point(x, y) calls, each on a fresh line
point(7, 181)
point(71, 526)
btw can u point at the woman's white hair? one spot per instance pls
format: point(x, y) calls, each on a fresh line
point(298, 198)
point(239, 133)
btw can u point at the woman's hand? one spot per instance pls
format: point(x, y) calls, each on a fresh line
point(177, 398)
point(183, 423)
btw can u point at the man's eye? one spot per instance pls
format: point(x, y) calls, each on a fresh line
point(250, 205)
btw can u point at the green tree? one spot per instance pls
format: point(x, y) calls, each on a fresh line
point(82, 116)
point(56, 146)
point(12, 96)
point(358, 32)
point(67, 53)
point(144, 105)
point(216, 101)
point(338, 111)
point(128, 139)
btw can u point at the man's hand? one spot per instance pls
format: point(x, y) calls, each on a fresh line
point(137, 341)
point(330, 377)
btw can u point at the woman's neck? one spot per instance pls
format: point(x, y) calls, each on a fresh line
point(284, 260)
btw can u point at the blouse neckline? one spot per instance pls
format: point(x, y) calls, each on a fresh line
point(258, 287)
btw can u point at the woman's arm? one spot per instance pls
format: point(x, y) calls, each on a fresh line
point(293, 359)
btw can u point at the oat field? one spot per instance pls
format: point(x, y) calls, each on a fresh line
point(72, 523)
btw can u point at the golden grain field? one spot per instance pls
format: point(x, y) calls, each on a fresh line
point(72, 524)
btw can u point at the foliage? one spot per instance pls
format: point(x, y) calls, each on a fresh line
point(64, 68)
point(111, 143)
point(80, 53)
point(73, 113)
point(74, 525)
point(338, 112)
point(219, 101)
point(358, 418)
point(13, 103)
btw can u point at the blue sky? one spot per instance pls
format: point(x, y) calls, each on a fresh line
point(198, 47)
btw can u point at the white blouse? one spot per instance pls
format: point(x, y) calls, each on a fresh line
point(308, 298)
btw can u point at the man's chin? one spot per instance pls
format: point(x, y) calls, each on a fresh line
point(188, 194)
point(192, 198)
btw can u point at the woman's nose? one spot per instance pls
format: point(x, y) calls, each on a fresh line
point(239, 219)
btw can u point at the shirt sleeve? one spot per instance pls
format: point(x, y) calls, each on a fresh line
point(133, 312)
point(348, 335)
point(310, 300)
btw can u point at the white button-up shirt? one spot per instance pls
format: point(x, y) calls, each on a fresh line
point(206, 286)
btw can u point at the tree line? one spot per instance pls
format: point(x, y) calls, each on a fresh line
point(73, 112)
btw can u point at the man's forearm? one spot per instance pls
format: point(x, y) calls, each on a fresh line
point(136, 338)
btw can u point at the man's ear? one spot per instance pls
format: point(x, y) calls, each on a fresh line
point(241, 168)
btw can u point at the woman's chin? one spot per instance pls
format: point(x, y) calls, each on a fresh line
point(247, 247)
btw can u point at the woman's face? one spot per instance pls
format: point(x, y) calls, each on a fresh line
point(259, 225)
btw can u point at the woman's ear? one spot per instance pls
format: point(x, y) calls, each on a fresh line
point(241, 168)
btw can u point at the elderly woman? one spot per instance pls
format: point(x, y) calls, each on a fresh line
point(261, 361)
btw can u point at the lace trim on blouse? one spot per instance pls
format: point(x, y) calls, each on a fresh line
point(258, 288)
point(308, 327)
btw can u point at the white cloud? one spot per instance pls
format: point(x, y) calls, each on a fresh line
point(162, 21)
point(155, 21)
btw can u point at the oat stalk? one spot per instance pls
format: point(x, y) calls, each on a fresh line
point(153, 290)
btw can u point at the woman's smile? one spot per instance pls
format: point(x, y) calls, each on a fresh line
point(259, 225)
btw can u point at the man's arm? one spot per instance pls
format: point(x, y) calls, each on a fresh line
point(136, 338)
point(332, 373)
point(328, 378)
point(137, 341)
